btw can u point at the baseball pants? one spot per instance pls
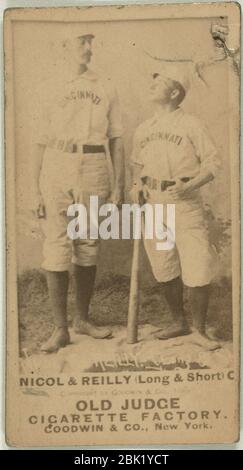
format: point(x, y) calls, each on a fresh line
point(192, 257)
point(70, 178)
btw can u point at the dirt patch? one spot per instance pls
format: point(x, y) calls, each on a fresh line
point(110, 305)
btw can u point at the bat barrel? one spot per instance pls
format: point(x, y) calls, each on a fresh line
point(133, 309)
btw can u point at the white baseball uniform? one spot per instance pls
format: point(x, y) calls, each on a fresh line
point(167, 147)
point(86, 113)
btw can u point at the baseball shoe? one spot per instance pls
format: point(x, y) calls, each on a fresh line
point(173, 331)
point(59, 339)
point(201, 339)
point(82, 327)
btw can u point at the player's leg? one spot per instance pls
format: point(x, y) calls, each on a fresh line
point(199, 301)
point(58, 289)
point(84, 278)
point(57, 246)
point(94, 181)
point(57, 258)
point(198, 262)
point(166, 269)
point(173, 292)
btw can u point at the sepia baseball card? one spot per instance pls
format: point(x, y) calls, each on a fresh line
point(122, 140)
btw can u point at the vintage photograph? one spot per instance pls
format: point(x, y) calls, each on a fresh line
point(122, 158)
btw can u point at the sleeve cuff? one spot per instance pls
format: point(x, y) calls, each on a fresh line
point(113, 133)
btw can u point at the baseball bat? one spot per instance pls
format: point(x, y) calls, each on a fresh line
point(133, 308)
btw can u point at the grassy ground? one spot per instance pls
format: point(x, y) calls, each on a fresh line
point(110, 305)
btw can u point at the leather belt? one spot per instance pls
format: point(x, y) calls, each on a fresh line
point(161, 185)
point(70, 147)
point(93, 148)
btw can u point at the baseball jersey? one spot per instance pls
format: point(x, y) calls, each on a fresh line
point(85, 112)
point(174, 145)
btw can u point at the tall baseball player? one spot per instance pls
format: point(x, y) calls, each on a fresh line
point(82, 130)
point(173, 157)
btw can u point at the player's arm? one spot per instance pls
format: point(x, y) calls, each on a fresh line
point(37, 204)
point(208, 157)
point(117, 157)
point(182, 189)
point(204, 177)
point(40, 140)
point(139, 191)
point(115, 131)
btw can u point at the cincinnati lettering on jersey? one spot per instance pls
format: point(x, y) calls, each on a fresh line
point(162, 135)
point(84, 95)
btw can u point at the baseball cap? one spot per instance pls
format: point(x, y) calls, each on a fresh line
point(83, 32)
point(85, 35)
point(178, 72)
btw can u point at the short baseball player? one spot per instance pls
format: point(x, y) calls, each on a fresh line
point(82, 139)
point(173, 157)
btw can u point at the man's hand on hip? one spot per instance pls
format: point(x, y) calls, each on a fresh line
point(180, 189)
point(139, 193)
point(117, 197)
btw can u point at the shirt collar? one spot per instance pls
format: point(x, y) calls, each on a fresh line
point(161, 115)
point(88, 75)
